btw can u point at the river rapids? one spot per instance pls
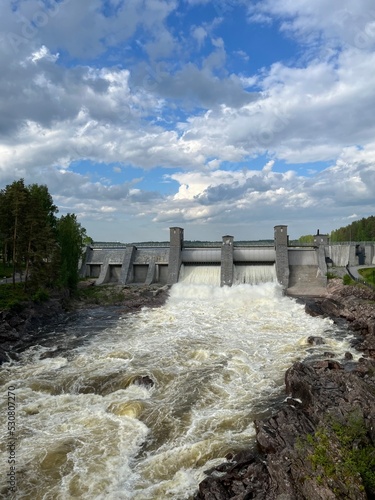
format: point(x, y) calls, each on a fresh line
point(90, 424)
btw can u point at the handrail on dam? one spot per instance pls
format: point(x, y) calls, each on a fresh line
point(358, 280)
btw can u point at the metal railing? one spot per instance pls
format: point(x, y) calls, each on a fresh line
point(359, 280)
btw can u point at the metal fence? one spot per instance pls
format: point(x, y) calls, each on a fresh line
point(359, 280)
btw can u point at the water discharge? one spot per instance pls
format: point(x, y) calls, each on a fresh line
point(90, 427)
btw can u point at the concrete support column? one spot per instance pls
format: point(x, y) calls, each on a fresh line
point(175, 250)
point(322, 264)
point(282, 260)
point(226, 277)
point(353, 259)
point(126, 275)
point(104, 271)
point(86, 258)
point(151, 272)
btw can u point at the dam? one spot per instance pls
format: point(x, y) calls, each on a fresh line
point(295, 267)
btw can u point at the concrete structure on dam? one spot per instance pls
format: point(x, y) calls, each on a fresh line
point(293, 266)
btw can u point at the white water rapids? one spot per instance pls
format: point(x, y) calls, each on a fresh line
point(85, 430)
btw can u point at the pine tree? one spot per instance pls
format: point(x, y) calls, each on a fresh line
point(14, 200)
point(71, 236)
point(40, 237)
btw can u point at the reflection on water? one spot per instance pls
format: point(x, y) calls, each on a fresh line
point(140, 408)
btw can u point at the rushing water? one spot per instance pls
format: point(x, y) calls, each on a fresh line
point(88, 429)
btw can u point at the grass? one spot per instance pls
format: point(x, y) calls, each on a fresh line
point(368, 275)
point(14, 298)
point(6, 271)
point(342, 452)
point(11, 298)
point(347, 280)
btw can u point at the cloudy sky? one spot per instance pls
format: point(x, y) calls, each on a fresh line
point(219, 116)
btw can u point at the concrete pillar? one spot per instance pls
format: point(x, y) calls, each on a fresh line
point(226, 277)
point(151, 272)
point(86, 258)
point(353, 259)
point(322, 264)
point(282, 261)
point(175, 250)
point(104, 271)
point(127, 265)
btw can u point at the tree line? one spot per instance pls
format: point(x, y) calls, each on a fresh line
point(40, 247)
point(361, 230)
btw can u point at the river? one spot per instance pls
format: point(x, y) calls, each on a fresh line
point(90, 426)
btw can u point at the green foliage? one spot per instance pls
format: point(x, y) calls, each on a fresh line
point(41, 296)
point(347, 280)
point(46, 249)
point(362, 230)
point(342, 451)
point(12, 297)
point(71, 237)
point(368, 275)
point(15, 306)
point(6, 270)
point(308, 238)
point(331, 275)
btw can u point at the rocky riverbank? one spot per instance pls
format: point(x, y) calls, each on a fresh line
point(320, 444)
point(20, 329)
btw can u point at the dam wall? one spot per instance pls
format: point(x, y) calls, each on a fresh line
point(244, 262)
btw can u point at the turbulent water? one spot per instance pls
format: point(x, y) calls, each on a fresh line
point(88, 428)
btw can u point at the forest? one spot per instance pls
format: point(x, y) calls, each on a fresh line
point(41, 250)
point(361, 230)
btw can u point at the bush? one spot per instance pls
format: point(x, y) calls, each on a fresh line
point(331, 275)
point(40, 296)
point(15, 306)
point(347, 280)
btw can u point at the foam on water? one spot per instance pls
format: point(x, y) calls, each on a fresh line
point(86, 430)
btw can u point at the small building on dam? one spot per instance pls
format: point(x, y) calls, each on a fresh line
point(226, 263)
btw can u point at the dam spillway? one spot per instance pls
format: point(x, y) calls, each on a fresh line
point(243, 274)
point(299, 269)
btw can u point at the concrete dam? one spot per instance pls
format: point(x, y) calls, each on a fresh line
point(227, 263)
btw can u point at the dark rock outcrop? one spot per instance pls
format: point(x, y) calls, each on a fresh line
point(302, 451)
point(354, 305)
point(21, 329)
point(18, 330)
point(320, 444)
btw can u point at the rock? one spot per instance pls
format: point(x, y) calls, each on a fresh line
point(144, 380)
point(327, 398)
point(313, 308)
point(315, 340)
point(21, 330)
point(300, 453)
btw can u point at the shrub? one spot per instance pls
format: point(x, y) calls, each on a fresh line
point(41, 296)
point(347, 280)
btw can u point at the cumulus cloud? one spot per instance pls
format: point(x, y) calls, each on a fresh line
point(117, 84)
point(338, 21)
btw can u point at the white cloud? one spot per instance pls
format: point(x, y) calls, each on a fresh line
point(199, 34)
point(176, 111)
point(337, 21)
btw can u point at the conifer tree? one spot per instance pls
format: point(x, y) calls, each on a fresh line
point(71, 236)
point(40, 236)
point(14, 200)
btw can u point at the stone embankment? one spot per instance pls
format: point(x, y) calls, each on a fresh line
point(320, 444)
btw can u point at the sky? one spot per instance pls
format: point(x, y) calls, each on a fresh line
point(218, 116)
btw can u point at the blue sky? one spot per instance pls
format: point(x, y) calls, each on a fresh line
point(220, 116)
